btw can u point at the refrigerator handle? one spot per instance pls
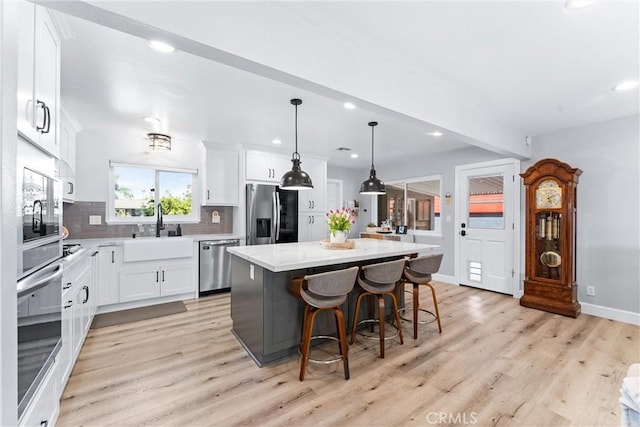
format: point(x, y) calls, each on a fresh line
point(250, 202)
point(274, 217)
point(278, 209)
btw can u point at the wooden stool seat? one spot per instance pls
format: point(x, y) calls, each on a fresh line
point(376, 281)
point(324, 291)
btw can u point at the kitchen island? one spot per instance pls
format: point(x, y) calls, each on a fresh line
point(267, 318)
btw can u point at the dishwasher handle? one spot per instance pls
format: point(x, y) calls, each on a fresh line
point(234, 242)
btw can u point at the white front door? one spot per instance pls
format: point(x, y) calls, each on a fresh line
point(334, 194)
point(487, 218)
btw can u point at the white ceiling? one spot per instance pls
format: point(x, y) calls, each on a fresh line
point(525, 67)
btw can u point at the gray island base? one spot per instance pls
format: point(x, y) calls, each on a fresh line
point(267, 318)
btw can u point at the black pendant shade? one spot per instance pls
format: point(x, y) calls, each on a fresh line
point(373, 185)
point(296, 178)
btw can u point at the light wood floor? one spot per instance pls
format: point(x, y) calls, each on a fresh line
point(495, 363)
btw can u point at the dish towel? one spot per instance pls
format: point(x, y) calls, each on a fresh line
point(630, 397)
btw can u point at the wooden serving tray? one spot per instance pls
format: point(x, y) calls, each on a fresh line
point(326, 244)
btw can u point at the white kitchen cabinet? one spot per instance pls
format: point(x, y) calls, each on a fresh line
point(44, 408)
point(69, 128)
point(314, 200)
point(65, 356)
point(81, 311)
point(145, 280)
point(222, 175)
point(109, 262)
point(312, 227)
point(38, 78)
point(264, 166)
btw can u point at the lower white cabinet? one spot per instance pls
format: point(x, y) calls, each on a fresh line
point(44, 408)
point(108, 263)
point(144, 280)
point(312, 227)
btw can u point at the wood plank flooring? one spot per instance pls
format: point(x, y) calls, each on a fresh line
point(495, 364)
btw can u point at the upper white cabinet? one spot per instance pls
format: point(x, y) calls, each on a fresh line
point(263, 166)
point(68, 130)
point(221, 177)
point(314, 200)
point(38, 78)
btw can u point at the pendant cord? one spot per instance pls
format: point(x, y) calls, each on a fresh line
point(296, 129)
point(372, 167)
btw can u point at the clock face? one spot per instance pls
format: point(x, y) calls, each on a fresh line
point(548, 195)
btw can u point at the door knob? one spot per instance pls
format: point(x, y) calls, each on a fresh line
point(463, 233)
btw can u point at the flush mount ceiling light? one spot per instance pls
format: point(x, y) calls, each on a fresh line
point(276, 141)
point(159, 141)
point(296, 178)
point(354, 156)
point(578, 4)
point(372, 185)
point(349, 106)
point(152, 119)
point(161, 46)
point(435, 133)
point(629, 84)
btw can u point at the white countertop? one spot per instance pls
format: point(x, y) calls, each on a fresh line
point(293, 256)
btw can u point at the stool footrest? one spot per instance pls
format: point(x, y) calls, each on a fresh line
point(324, 361)
point(421, 322)
point(375, 337)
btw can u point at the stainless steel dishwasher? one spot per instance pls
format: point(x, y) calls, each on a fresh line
point(215, 265)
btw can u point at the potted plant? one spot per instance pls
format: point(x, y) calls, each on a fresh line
point(340, 222)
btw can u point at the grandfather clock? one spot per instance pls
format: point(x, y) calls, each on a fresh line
point(550, 280)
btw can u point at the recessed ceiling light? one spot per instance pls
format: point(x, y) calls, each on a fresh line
point(435, 133)
point(161, 46)
point(276, 141)
point(578, 4)
point(152, 119)
point(354, 155)
point(349, 106)
point(629, 84)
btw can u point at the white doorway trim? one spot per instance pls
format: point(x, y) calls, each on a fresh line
point(340, 195)
point(516, 209)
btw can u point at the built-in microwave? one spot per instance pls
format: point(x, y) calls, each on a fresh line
point(39, 209)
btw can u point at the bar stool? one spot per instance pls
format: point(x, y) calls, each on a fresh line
point(324, 291)
point(418, 272)
point(378, 280)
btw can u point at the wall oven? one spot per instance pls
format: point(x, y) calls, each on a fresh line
point(40, 209)
point(39, 287)
point(39, 328)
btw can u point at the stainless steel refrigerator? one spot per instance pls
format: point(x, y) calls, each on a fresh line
point(272, 215)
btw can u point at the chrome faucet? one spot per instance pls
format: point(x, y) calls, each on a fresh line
point(159, 223)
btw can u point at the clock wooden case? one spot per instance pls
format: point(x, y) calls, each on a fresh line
point(550, 273)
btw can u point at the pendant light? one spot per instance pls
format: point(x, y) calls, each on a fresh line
point(296, 178)
point(372, 185)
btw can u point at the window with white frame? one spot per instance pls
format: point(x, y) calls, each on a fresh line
point(136, 191)
point(413, 202)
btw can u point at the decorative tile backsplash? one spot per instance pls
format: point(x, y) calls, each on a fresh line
point(76, 219)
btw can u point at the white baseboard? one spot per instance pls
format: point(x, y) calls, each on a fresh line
point(611, 313)
point(451, 280)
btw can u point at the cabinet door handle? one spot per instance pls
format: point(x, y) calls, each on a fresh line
point(70, 187)
point(157, 277)
point(163, 275)
point(313, 220)
point(113, 257)
point(48, 117)
point(86, 293)
point(44, 116)
point(313, 204)
point(67, 286)
point(44, 423)
point(68, 304)
point(207, 194)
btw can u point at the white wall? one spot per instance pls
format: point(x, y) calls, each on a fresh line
point(608, 238)
point(8, 219)
point(96, 148)
point(351, 180)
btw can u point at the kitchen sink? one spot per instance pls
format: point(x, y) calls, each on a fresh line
point(152, 248)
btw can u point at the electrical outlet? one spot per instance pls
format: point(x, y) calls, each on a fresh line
point(215, 217)
point(591, 291)
point(95, 219)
